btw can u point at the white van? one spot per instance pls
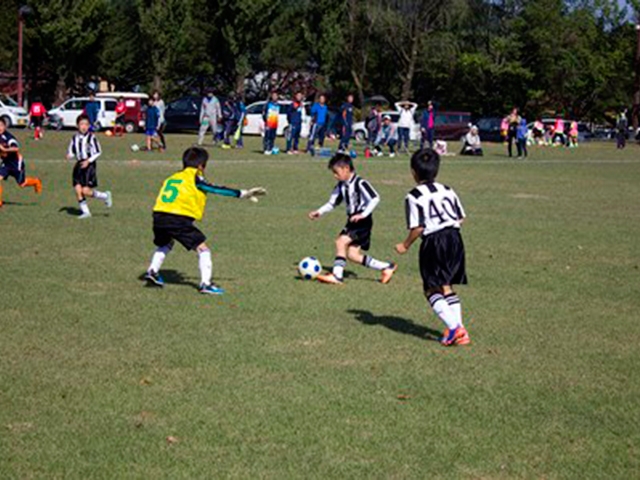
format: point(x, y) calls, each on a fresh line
point(254, 123)
point(12, 113)
point(69, 111)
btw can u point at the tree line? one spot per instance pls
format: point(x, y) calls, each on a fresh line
point(574, 57)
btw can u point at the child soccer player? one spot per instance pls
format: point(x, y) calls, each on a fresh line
point(360, 199)
point(37, 113)
point(11, 162)
point(121, 110)
point(84, 147)
point(434, 212)
point(151, 123)
point(182, 201)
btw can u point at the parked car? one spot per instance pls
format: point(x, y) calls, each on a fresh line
point(254, 124)
point(70, 109)
point(489, 129)
point(184, 114)
point(448, 125)
point(12, 113)
point(133, 115)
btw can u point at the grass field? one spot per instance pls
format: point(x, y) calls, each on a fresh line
point(283, 378)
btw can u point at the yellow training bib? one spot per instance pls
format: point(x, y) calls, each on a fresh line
point(179, 195)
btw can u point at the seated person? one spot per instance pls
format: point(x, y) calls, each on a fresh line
point(388, 135)
point(472, 144)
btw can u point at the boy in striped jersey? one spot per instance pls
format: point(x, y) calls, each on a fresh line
point(85, 149)
point(360, 199)
point(434, 213)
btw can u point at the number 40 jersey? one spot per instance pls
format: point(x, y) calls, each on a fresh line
point(434, 207)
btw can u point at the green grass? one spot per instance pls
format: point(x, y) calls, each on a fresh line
point(283, 378)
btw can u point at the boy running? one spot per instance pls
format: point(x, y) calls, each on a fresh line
point(182, 201)
point(37, 112)
point(85, 149)
point(434, 213)
point(360, 199)
point(11, 162)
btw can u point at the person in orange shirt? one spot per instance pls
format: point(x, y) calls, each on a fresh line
point(11, 162)
point(37, 114)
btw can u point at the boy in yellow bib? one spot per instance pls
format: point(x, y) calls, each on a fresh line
point(181, 201)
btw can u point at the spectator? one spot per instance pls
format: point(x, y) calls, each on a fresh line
point(210, 113)
point(373, 125)
point(346, 114)
point(622, 127)
point(241, 111)
point(405, 123)
point(319, 119)
point(388, 136)
point(513, 120)
point(92, 111)
point(472, 144)
point(427, 125)
point(152, 119)
point(521, 137)
point(230, 120)
point(121, 110)
point(159, 104)
point(294, 117)
point(270, 115)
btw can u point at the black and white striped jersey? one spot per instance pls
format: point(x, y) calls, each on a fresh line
point(433, 206)
point(84, 147)
point(358, 195)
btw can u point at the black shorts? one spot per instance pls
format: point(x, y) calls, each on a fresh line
point(36, 121)
point(86, 177)
point(359, 232)
point(120, 120)
point(168, 227)
point(7, 171)
point(442, 259)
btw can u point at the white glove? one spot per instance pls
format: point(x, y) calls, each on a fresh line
point(253, 193)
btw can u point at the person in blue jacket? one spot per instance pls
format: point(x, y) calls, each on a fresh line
point(294, 117)
point(92, 111)
point(241, 112)
point(346, 115)
point(319, 118)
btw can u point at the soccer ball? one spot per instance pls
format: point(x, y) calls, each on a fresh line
point(309, 268)
point(135, 148)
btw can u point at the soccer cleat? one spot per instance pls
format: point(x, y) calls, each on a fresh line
point(464, 339)
point(109, 200)
point(387, 273)
point(154, 278)
point(82, 216)
point(451, 336)
point(211, 289)
point(329, 278)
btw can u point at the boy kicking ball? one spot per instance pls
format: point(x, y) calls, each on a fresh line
point(11, 162)
point(360, 199)
point(85, 149)
point(434, 213)
point(182, 201)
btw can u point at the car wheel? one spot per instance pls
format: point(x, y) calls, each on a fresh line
point(360, 136)
point(130, 127)
point(7, 121)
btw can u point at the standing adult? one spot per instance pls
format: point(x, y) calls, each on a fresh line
point(159, 104)
point(92, 111)
point(210, 112)
point(346, 114)
point(622, 129)
point(319, 120)
point(295, 113)
point(513, 120)
point(405, 123)
point(428, 125)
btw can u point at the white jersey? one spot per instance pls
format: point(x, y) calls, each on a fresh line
point(357, 194)
point(84, 147)
point(434, 207)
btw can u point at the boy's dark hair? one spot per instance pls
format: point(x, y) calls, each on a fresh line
point(194, 157)
point(3, 121)
point(81, 117)
point(426, 163)
point(341, 160)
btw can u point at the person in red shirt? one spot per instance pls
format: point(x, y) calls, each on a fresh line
point(121, 109)
point(37, 113)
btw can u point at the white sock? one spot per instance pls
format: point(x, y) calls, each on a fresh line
point(338, 267)
point(206, 267)
point(443, 310)
point(454, 302)
point(371, 262)
point(84, 208)
point(158, 258)
point(99, 195)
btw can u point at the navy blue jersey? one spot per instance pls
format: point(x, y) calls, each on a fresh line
point(294, 113)
point(153, 117)
point(11, 159)
point(346, 112)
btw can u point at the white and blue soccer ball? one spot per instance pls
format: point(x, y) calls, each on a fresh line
point(309, 268)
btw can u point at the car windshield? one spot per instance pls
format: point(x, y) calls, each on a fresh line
point(8, 100)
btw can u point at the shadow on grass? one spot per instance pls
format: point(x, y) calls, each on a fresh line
point(171, 277)
point(347, 274)
point(70, 211)
point(396, 324)
point(20, 204)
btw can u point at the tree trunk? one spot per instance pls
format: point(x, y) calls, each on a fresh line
point(240, 85)
point(407, 83)
point(61, 90)
point(157, 82)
